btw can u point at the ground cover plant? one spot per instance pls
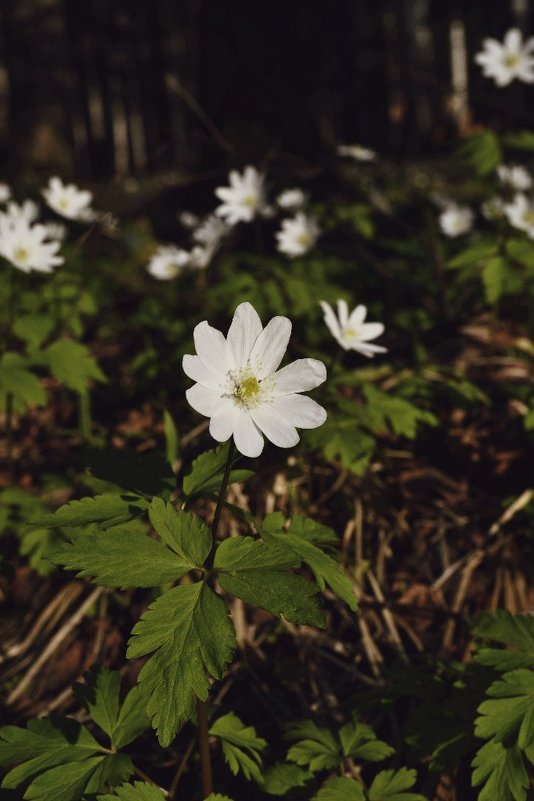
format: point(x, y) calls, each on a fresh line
point(265, 501)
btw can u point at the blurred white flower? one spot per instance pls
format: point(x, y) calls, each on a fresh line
point(55, 230)
point(26, 246)
point(493, 208)
point(27, 211)
point(5, 193)
point(509, 60)
point(297, 235)
point(188, 220)
point(210, 231)
point(350, 330)
point(291, 199)
point(69, 201)
point(241, 389)
point(520, 214)
point(456, 220)
point(168, 262)
point(357, 152)
point(514, 176)
point(244, 199)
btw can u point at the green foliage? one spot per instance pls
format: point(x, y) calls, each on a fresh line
point(147, 475)
point(138, 791)
point(184, 533)
point(241, 746)
point(18, 381)
point(189, 634)
point(72, 364)
point(389, 785)
point(502, 771)
point(207, 471)
point(482, 151)
point(249, 569)
point(340, 789)
point(510, 715)
point(385, 411)
point(511, 630)
point(521, 140)
point(493, 276)
point(283, 776)
point(106, 510)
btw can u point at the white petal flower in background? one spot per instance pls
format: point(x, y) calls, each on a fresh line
point(350, 330)
point(520, 214)
point(27, 211)
point(168, 262)
point(456, 220)
point(188, 220)
point(297, 235)
point(55, 230)
point(5, 193)
point(239, 386)
point(357, 152)
point(514, 176)
point(69, 201)
point(493, 208)
point(291, 199)
point(27, 246)
point(506, 61)
point(244, 199)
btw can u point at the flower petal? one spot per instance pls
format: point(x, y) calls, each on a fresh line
point(243, 332)
point(299, 376)
point(299, 411)
point(211, 346)
point(357, 316)
point(270, 347)
point(194, 368)
point(330, 319)
point(247, 436)
point(222, 420)
point(275, 427)
point(342, 312)
point(371, 331)
point(204, 401)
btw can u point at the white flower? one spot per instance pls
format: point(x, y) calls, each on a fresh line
point(356, 152)
point(244, 199)
point(509, 60)
point(350, 330)
point(25, 245)
point(69, 201)
point(517, 177)
point(188, 220)
point(27, 211)
point(493, 208)
point(298, 235)
point(55, 230)
point(5, 193)
point(456, 220)
point(168, 262)
point(520, 214)
point(291, 199)
point(240, 387)
point(210, 231)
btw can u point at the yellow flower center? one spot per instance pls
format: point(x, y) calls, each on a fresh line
point(21, 254)
point(304, 240)
point(63, 203)
point(528, 217)
point(511, 60)
point(349, 333)
point(250, 201)
point(247, 389)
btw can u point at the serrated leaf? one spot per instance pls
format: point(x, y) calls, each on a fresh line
point(190, 636)
point(138, 791)
point(186, 534)
point(33, 328)
point(389, 785)
point(107, 510)
point(207, 472)
point(72, 364)
point(340, 789)
point(358, 740)
point(119, 558)
point(17, 380)
point(149, 474)
point(100, 696)
point(132, 720)
point(504, 627)
point(63, 783)
point(502, 772)
point(217, 797)
point(510, 711)
point(325, 569)
point(312, 531)
point(386, 410)
point(280, 778)
point(493, 275)
point(249, 569)
point(483, 152)
point(316, 749)
point(477, 253)
point(241, 746)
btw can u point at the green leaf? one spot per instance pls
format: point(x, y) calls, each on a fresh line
point(521, 251)
point(100, 696)
point(502, 772)
point(217, 797)
point(483, 152)
point(207, 472)
point(504, 627)
point(132, 720)
point(65, 782)
point(149, 474)
point(326, 570)
point(119, 558)
point(316, 749)
point(389, 785)
point(476, 253)
point(171, 437)
point(359, 741)
point(493, 275)
point(33, 328)
point(510, 711)
point(138, 791)
point(241, 746)
point(521, 140)
point(16, 379)
point(106, 510)
point(186, 534)
point(280, 778)
point(190, 636)
point(340, 789)
point(386, 410)
point(249, 569)
point(312, 531)
point(73, 364)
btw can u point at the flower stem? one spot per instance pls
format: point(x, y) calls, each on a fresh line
point(202, 710)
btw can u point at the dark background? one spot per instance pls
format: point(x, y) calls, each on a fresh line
point(114, 88)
